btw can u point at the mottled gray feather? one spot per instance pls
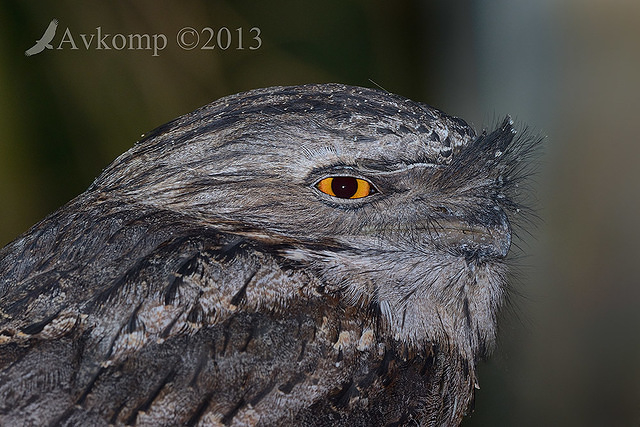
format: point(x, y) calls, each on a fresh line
point(203, 279)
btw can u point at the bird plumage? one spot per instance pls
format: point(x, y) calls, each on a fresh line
point(204, 277)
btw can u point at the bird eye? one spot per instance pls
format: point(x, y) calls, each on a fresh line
point(345, 187)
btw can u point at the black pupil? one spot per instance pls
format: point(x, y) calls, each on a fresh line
point(344, 186)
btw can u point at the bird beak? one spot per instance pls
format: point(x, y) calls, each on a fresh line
point(489, 240)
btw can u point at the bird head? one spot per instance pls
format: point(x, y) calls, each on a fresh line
point(395, 206)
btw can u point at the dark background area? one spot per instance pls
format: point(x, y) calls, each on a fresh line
point(567, 68)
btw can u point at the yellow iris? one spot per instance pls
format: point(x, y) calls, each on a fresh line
point(345, 187)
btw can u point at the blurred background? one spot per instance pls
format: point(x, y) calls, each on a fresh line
point(569, 348)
